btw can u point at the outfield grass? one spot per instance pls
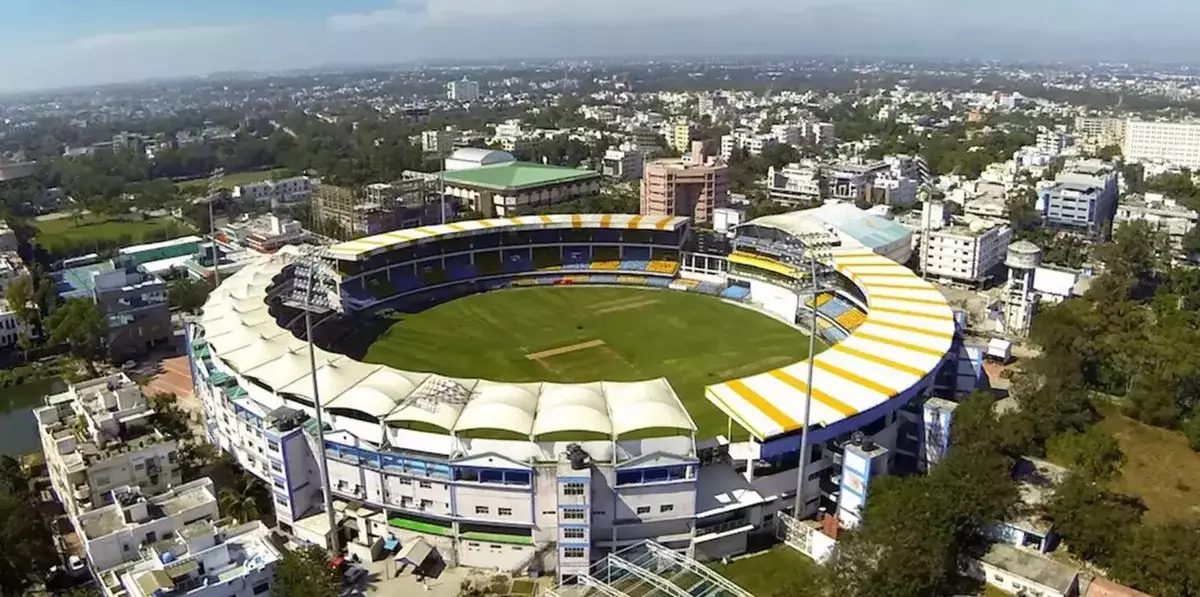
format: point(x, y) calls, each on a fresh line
point(104, 231)
point(588, 334)
point(237, 178)
point(778, 572)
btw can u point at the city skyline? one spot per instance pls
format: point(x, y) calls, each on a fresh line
point(133, 40)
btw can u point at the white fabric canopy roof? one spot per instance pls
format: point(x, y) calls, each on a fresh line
point(242, 333)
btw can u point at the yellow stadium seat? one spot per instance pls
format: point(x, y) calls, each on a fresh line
point(661, 266)
point(606, 265)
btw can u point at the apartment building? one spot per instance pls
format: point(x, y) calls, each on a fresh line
point(1163, 213)
point(202, 559)
point(275, 192)
point(623, 164)
point(795, 184)
point(119, 532)
point(96, 436)
point(438, 141)
point(681, 134)
point(135, 305)
point(1175, 143)
point(961, 250)
point(1052, 142)
point(1100, 132)
point(893, 190)
point(679, 187)
point(853, 182)
point(1083, 198)
point(462, 91)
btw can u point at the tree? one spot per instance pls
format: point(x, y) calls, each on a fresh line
point(241, 501)
point(1093, 521)
point(27, 549)
point(168, 418)
point(306, 572)
point(1161, 560)
point(80, 324)
point(1022, 209)
point(20, 296)
point(1094, 453)
point(187, 294)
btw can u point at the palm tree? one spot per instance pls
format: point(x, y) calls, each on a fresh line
point(241, 500)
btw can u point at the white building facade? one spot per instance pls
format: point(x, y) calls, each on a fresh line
point(1176, 143)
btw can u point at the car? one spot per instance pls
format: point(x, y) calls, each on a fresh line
point(353, 574)
point(76, 565)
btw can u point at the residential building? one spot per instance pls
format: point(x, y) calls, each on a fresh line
point(894, 191)
point(11, 326)
point(202, 559)
point(462, 91)
point(1176, 143)
point(711, 105)
point(749, 143)
point(8, 238)
point(1100, 132)
point(516, 188)
point(726, 219)
point(853, 182)
point(96, 436)
point(275, 192)
point(17, 171)
point(438, 141)
point(265, 234)
point(822, 134)
point(795, 184)
point(118, 533)
point(1052, 142)
point(1083, 198)
point(787, 134)
point(690, 187)
point(1162, 213)
point(135, 304)
point(681, 135)
point(624, 164)
point(12, 267)
point(964, 250)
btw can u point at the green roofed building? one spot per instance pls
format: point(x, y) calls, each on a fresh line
point(510, 188)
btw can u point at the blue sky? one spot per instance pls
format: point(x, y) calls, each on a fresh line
point(55, 43)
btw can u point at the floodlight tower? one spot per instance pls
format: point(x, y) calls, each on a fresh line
point(214, 183)
point(814, 251)
point(313, 261)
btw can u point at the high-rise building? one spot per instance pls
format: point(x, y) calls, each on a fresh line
point(681, 136)
point(690, 187)
point(1176, 143)
point(463, 91)
point(961, 250)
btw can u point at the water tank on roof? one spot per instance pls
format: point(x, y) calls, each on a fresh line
point(166, 557)
point(1023, 255)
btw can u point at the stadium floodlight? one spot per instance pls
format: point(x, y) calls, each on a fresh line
point(214, 182)
point(814, 251)
point(314, 261)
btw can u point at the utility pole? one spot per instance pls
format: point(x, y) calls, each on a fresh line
point(797, 262)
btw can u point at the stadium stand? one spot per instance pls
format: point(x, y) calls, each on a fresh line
point(662, 266)
point(737, 293)
point(431, 273)
point(636, 253)
point(638, 265)
point(576, 258)
point(842, 311)
point(546, 258)
point(488, 263)
point(516, 261)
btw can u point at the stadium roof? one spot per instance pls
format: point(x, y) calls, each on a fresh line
point(243, 335)
point(516, 176)
point(908, 330)
point(869, 230)
point(363, 248)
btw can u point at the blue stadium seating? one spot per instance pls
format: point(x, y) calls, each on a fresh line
point(517, 262)
point(737, 293)
point(639, 265)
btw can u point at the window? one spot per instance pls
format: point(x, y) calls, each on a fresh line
point(425, 485)
point(404, 481)
point(481, 509)
point(504, 511)
point(273, 445)
point(279, 484)
point(573, 552)
point(573, 533)
point(261, 588)
point(666, 508)
point(573, 489)
point(280, 501)
point(573, 515)
point(426, 504)
point(643, 510)
point(275, 467)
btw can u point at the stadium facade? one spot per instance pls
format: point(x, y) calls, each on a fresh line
point(558, 476)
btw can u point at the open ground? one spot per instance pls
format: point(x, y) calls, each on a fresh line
point(577, 334)
point(104, 230)
point(237, 178)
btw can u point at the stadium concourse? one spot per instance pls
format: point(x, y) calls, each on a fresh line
point(551, 476)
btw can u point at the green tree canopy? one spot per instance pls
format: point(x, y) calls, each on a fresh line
point(306, 572)
point(80, 324)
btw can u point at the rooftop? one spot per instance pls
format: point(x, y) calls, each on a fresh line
point(1031, 566)
point(79, 282)
point(512, 176)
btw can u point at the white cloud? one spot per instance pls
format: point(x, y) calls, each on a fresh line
point(157, 37)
